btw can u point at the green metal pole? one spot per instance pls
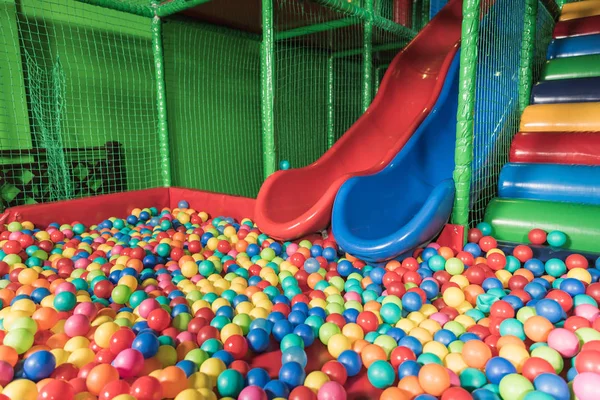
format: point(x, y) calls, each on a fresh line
point(161, 99)
point(330, 100)
point(527, 53)
point(367, 77)
point(267, 66)
point(175, 6)
point(425, 13)
point(463, 154)
point(375, 49)
point(316, 28)
point(416, 15)
point(378, 74)
point(144, 11)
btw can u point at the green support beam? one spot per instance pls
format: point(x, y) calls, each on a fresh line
point(267, 69)
point(144, 11)
point(161, 100)
point(176, 6)
point(463, 153)
point(527, 53)
point(367, 58)
point(375, 49)
point(330, 102)
point(378, 74)
point(316, 28)
point(425, 10)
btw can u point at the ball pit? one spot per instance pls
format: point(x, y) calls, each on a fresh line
point(174, 304)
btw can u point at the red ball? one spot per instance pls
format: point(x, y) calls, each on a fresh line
point(302, 393)
point(103, 289)
point(466, 257)
point(224, 246)
point(237, 346)
point(105, 356)
point(474, 235)
point(496, 261)
point(487, 243)
point(297, 259)
point(196, 324)
point(535, 366)
point(146, 388)
point(412, 277)
point(523, 253)
point(576, 261)
point(335, 371)
point(121, 340)
point(591, 345)
point(65, 372)
point(517, 282)
point(241, 366)
point(475, 275)
point(367, 321)
point(12, 247)
point(410, 264)
point(502, 309)
point(207, 332)
point(573, 323)
point(78, 385)
point(113, 389)
point(57, 390)
point(456, 393)
point(562, 297)
point(593, 290)
point(337, 319)
point(588, 361)
point(401, 354)
point(396, 288)
point(537, 236)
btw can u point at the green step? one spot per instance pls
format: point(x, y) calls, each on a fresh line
point(572, 67)
point(513, 219)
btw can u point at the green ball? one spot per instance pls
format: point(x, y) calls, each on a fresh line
point(512, 264)
point(537, 395)
point(19, 339)
point(182, 320)
point(65, 301)
point(372, 336)
point(390, 313)
point(137, 297)
point(327, 330)
point(550, 355)
point(381, 374)
point(525, 313)
point(584, 299)
point(471, 379)
point(243, 321)
point(429, 358)
point(230, 383)
point(24, 323)
point(197, 356)
point(334, 308)
point(456, 346)
point(556, 239)
point(166, 341)
point(315, 322)
point(555, 267)
point(268, 254)
point(515, 386)
point(436, 263)
point(454, 266)
point(291, 340)
point(455, 328)
point(120, 294)
point(211, 346)
point(512, 326)
point(123, 322)
point(587, 334)
point(206, 268)
point(163, 250)
point(387, 343)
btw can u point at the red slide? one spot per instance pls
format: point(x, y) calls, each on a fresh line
point(297, 202)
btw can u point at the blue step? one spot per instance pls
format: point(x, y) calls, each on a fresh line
point(550, 182)
point(579, 90)
point(574, 46)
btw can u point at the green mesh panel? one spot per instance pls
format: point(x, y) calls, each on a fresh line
point(497, 90)
point(77, 101)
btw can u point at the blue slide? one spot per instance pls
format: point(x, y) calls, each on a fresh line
point(386, 215)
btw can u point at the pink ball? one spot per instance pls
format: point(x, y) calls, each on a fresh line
point(88, 309)
point(439, 317)
point(146, 306)
point(434, 245)
point(14, 235)
point(82, 263)
point(454, 379)
point(6, 373)
point(252, 393)
point(585, 386)
point(331, 391)
point(65, 287)
point(586, 311)
point(129, 363)
point(564, 341)
point(352, 296)
point(186, 337)
point(77, 325)
point(291, 249)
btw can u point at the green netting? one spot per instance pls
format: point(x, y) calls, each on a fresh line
point(213, 99)
point(497, 91)
point(77, 101)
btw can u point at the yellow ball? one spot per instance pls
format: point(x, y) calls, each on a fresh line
point(337, 344)
point(353, 332)
point(503, 276)
point(21, 389)
point(213, 368)
point(208, 394)
point(61, 356)
point(259, 312)
point(428, 309)
point(77, 342)
point(465, 321)
point(517, 355)
point(27, 276)
point(167, 355)
point(422, 335)
point(80, 357)
point(129, 281)
point(579, 274)
point(189, 394)
point(315, 380)
point(455, 363)
point(460, 280)
point(406, 325)
point(25, 305)
point(230, 330)
point(189, 269)
point(417, 317)
point(436, 348)
point(124, 397)
point(103, 334)
point(453, 297)
point(199, 380)
point(430, 325)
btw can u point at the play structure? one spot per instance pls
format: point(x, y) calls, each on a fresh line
point(217, 184)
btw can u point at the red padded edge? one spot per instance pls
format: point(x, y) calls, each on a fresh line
point(577, 27)
point(581, 148)
point(216, 204)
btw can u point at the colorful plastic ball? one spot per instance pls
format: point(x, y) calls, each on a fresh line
point(19, 339)
point(411, 301)
point(588, 361)
point(230, 383)
point(352, 361)
point(453, 297)
point(39, 365)
point(515, 386)
point(549, 309)
point(471, 379)
point(276, 388)
point(252, 393)
point(146, 388)
point(553, 385)
point(564, 341)
point(292, 374)
point(556, 239)
point(434, 379)
point(537, 236)
point(294, 354)
point(257, 377)
point(585, 386)
point(497, 368)
point(381, 374)
point(57, 390)
point(332, 391)
point(476, 353)
point(21, 389)
point(258, 340)
point(100, 376)
point(146, 343)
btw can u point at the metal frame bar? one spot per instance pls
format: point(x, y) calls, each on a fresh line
point(375, 49)
point(367, 58)
point(330, 102)
point(316, 28)
point(527, 53)
point(267, 68)
point(144, 11)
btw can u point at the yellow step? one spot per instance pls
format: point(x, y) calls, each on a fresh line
point(580, 10)
point(570, 117)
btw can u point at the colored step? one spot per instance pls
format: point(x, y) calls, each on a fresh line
point(574, 47)
point(580, 9)
point(572, 67)
point(512, 219)
point(550, 182)
point(580, 90)
point(570, 117)
point(577, 27)
point(581, 148)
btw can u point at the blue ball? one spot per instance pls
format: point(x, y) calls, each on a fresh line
point(262, 323)
point(294, 354)
point(572, 286)
point(425, 397)
point(536, 267)
point(408, 368)
point(187, 366)
point(345, 268)
point(39, 294)
point(311, 265)
point(329, 253)
point(39, 365)
point(257, 377)
point(428, 252)
point(411, 301)
point(431, 288)
point(497, 368)
point(350, 315)
point(535, 290)
point(224, 356)
point(556, 239)
point(412, 343)
point(553, 385)
point(376, 275)
point(258, 340)
point(306, 334)
point(276, 388)
point(281, 328)
point(491, 283)
point(284, 165)
point(473, 248)
point(351, 361)
point(484, 394)
point(444, 336)
point(146, 343)
point(485, 228)
point(395, 333)
point(292, 374)
point(297, 317)
point(549, 309)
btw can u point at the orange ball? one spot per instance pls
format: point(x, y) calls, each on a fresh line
point(394, 393)
point(537, 328)
point(184, 348)
point(99, 376)
point(446, 252)
point(509, 339)
point(359, 345)
point(434, 379)
point(411, 385)
point(9, 355)
point(371, 353)
point(471, 293)
point(525, 273)
point(173, 381)
point(476, 353)
point(45, 318)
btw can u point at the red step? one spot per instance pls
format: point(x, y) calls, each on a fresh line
point(582, 148)
point(577, 27)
